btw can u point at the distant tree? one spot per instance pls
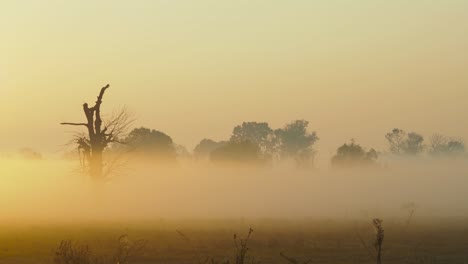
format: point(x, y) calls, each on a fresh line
point(72, 154)
point(455, 146)
point(257, 133)
point(206, 146)
point(396, 140)
point(401, 142)
point(244, 152)
point(262, 143)
point(30, 154)
point(151, 143)
point(352, 154)
point(99, 136)
point(182, 152)
point(437, 143)
point(293, 141)
point(414, 144)
point(443, 146)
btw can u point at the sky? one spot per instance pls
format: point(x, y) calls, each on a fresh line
point(195, 69)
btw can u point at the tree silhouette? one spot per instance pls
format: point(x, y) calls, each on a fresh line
point(151, 143)
point(244, 152)
point(293, 141)
point(257, 133)
point(443, 146)
point(396, 140)
point(353, 154)
point(401, 142)
point(205, 147)
point(413, 144)
point(99, 136)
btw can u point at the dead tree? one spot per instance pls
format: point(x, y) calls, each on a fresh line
point(375, 251)
point(99, 136)
point(379, 237)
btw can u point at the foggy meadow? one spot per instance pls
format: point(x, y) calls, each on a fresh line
point(233, 132)
point(146, 199)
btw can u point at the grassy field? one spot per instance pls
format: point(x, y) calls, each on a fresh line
point(325, 241)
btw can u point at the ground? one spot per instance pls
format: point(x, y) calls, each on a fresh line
point(324, 241)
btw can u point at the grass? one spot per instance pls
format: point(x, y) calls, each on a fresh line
point(444, 241)
point(241, 250)
point(69, 252)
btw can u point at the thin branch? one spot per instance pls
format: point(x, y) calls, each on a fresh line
point(117, 125)
point(116, 141)
point(74, 124)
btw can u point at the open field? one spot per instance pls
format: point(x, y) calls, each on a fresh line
point(233, 132)
point(324, 241)
point(329, 214)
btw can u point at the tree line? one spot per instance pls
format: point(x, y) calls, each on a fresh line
point(258, 143)
point(250, 143)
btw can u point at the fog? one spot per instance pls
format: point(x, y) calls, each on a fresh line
point(51, 191)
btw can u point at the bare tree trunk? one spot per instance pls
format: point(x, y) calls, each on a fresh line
point(379, 255)
point(97, 138)
point(99, 135)
point(96, 165)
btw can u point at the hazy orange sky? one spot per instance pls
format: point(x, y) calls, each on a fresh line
point(194, 69)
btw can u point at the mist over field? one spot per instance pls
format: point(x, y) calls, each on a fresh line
point(233, 132)
point(49, 191)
